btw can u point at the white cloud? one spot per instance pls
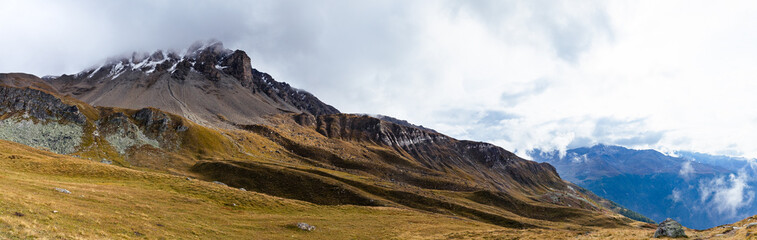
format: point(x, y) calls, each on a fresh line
point(727, 196)
point(676, 195)
point(686, 170)
point(579, 158)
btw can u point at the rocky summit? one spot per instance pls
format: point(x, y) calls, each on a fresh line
point(205, 83)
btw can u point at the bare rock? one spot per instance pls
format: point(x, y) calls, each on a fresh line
point(61, 190)
point(305, 227)
point(669, 228)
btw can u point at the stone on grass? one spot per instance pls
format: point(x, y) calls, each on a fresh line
point(61, 190)
point(305, 227)
point(669, 228)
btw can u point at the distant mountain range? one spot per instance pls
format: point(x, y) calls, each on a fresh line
point(699, 190)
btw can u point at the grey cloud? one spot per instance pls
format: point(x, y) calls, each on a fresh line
point(533, 88)
point(65, 37)
point(569, 32)
point(572, 36)
point(484, 125)
point(643, 138)
point(493, 117)
point(581, 142)
point(625, 132)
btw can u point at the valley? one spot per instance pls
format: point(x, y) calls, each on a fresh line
point(661, 186)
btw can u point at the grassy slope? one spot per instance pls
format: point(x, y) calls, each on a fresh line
point(115, 202)
point(109, 201)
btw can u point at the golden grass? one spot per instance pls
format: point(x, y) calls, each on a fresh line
point(110, 202)
point(114, 202)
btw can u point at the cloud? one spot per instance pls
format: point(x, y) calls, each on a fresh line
point(579, 158)
point(532, 88)
point(493, 118)
point(686, 170)
point(52, 37)
point(727, 195)
point(676, 195)
point(569, 29)
point(625, 132)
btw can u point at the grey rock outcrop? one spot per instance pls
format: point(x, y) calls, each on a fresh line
point(39, 119)
point(669, 228)
point(38, 104)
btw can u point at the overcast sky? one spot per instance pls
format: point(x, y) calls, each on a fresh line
point(667, 75)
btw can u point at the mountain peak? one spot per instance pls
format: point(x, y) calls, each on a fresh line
point(206, 83)
point(213, 46)
point(208, 57)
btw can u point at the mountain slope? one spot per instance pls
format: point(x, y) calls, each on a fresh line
point(125, 203)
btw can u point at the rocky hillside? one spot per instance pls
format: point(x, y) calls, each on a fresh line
point(206, 83)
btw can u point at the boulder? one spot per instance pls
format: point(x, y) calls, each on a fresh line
point(61, 190)
point(305, 227)
point(669, 228)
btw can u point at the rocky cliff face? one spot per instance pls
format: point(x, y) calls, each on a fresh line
point(39, 119)
point(38, 104)
point(499, 168)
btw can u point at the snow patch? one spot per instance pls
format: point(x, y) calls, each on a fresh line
point(173, 68)
point(95, 71)
point(117, 70)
